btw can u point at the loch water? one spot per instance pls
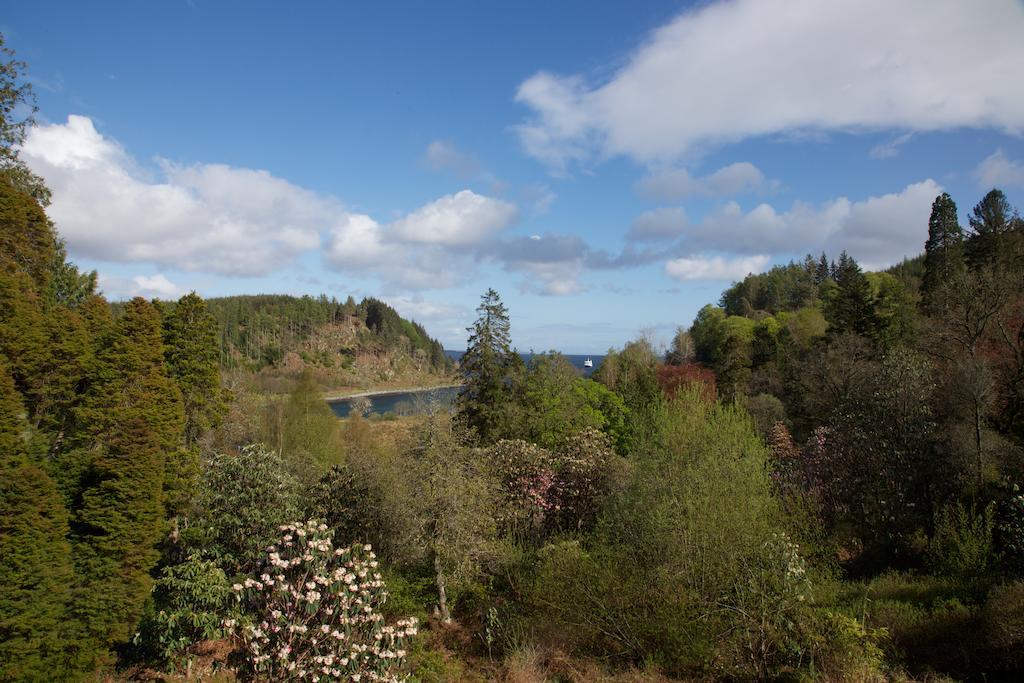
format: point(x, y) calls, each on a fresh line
point(415, 402)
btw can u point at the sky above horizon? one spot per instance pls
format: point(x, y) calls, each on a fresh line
point(608, 167)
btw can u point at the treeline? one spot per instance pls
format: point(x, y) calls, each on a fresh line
point(257, 331)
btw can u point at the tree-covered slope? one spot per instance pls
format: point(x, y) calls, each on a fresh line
point(346, 343)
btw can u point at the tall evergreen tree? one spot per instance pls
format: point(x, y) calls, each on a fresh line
point(943, 252)
point(35, 558)
point(488, 366)
point(821, 270)
point(27, 240)
point(991, 219)
point(131, 426)
point(192, 350)
point(851, 307)
point(114, 535)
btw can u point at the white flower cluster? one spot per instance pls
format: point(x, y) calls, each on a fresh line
point(792, 564)
point(318, 612)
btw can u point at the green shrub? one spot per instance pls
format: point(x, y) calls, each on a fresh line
point(962, 546)
point(242, 501)
point(1010, 530)
point(190, 603)
point(1003, 619)
point(848, 650)
point(689, 567)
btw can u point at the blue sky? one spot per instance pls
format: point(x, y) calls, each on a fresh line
point(608, 168)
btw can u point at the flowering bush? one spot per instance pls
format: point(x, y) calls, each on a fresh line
point(525, 474)
point(316, 612)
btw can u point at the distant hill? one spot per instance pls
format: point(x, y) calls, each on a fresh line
point(344, 343)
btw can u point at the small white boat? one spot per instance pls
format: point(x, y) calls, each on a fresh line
point(588, 363)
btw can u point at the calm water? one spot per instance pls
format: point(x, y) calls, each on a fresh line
point(401, 402)
point(413, 402)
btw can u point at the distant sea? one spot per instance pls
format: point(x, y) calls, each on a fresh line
point(576, 360)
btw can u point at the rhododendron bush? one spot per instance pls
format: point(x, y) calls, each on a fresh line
point(316, 612)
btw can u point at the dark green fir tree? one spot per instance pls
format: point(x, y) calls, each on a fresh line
point(35, 558)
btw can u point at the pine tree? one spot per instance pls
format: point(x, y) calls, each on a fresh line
point(488, 367)
point(851, 307)
point(991, 220)
point(822, 270)
point(943, 252)
point(35, 558)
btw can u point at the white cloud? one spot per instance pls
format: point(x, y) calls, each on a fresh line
point(876, 231)
point(673, 184)
point(880, 231)
point(727, 71)
point(459, 220)
point(715, 267)
point(998, 170)
point(422, 310)
point(658, 224)
point(889, 149)
point(204, 217)
point(433, 247)
point(147, 286)
point(356, 242)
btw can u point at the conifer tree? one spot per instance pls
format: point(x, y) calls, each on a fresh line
point(131, 424)
point(27, 240)
point(488, 367)
point(114, 534)
point(192, 352)
point(821, 270)
point(35, 558)
point(991, 219)
point(851, 307)
point(943, 252)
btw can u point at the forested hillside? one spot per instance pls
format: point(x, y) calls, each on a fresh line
point(275, 337)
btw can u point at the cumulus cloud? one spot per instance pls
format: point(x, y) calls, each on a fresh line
point(691, 268)
point(225, 220)
point(147, 286)
point(203, 217)
point(432, 247)
point(658, 224)
point(727, 71)
point(673, 184)
point(998, 170)
point(459, 220)
point(877, 231)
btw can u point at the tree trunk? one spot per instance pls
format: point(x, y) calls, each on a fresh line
point(977, 442)
point(442, 595)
